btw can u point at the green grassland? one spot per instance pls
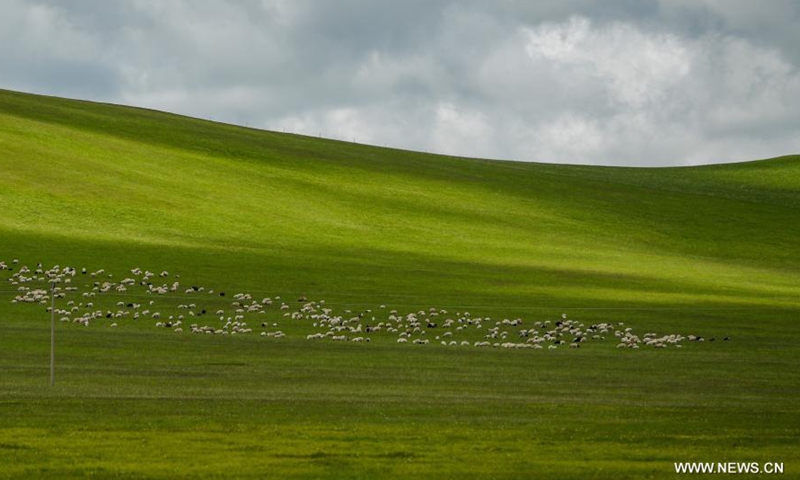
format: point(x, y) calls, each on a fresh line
point(710, 251)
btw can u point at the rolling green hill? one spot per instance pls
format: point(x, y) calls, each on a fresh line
point(338, 218)
point(711, 249)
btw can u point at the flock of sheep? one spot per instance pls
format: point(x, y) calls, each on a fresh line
point(87, 298)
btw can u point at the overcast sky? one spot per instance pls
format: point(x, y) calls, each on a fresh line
point(615, 82)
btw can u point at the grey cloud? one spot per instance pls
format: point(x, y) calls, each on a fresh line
point(657, 82)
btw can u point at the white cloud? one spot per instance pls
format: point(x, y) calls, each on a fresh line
point(569, 137)
point(672, 82)
point(637, 68)
point(577, 92)
point(661, 91)
point(44, 32)
point(456, 131)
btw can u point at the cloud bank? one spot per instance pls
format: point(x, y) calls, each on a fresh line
point(648, 83)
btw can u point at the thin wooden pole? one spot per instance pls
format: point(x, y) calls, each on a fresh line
point(53, 335)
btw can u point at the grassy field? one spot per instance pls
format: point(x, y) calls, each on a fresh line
point(710, 251)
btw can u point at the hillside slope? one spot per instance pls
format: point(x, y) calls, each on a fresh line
point(708, 251)
point(318, 216)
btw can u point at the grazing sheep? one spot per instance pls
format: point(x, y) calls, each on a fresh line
point(410, 326)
